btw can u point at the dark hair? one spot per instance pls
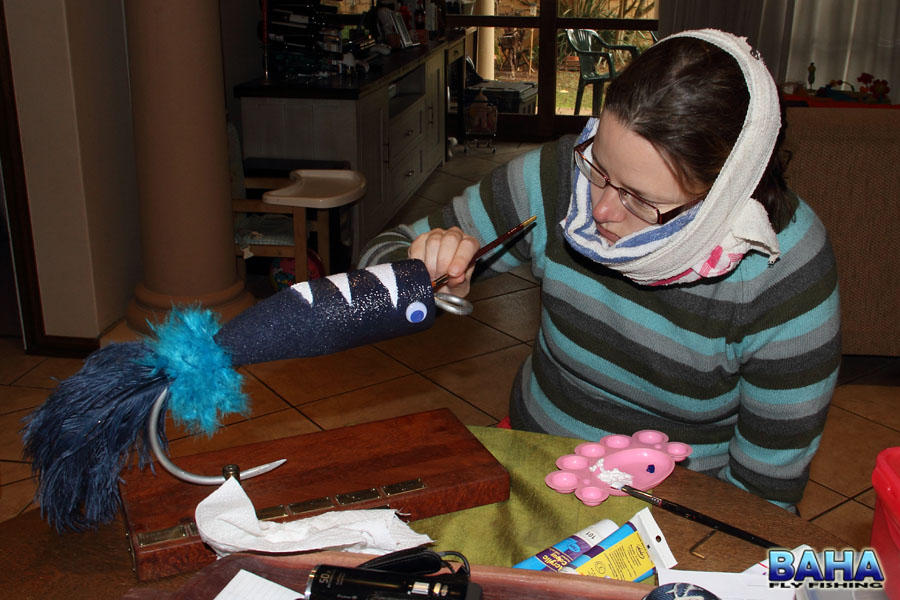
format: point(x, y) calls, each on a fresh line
point(688, 98)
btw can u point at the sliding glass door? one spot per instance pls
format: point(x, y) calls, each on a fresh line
point(545, 63)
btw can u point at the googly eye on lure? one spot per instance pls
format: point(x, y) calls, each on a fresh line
point(416, 312)
point(188, 367)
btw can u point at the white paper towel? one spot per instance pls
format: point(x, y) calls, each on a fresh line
point(226, 520)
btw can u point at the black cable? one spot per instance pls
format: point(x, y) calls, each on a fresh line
point(465, 563)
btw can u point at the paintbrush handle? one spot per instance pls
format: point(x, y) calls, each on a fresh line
point(487, 248)
point(693, 515)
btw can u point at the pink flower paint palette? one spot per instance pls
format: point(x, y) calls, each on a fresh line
point(598, 469)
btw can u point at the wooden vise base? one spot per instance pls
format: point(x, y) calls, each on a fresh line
point(422, 465)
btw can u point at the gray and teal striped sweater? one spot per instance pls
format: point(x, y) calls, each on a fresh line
point(741, 367)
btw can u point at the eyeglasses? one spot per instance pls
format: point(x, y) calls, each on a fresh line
point(635, 204)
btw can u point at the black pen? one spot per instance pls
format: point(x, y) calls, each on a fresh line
point(693, 515)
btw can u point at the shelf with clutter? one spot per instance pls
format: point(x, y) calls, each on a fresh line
point(872, 93)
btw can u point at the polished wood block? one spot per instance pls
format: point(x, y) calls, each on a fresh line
point(422, 465)
point(41, 563)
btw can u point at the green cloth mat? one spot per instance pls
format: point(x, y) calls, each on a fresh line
point(535, 516)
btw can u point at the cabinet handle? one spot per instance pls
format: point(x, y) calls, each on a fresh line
point(410, 173)
point(409, 132)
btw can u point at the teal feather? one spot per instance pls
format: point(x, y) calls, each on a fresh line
point(203, 385)
point(83, 435)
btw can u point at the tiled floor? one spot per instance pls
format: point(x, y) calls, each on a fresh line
point(466, 364)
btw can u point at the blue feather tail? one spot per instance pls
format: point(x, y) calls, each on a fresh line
point(84, 434)
point(80, 438)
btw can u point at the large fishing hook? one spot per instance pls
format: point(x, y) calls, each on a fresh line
point(175, 470)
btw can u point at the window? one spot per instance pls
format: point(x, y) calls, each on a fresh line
point(540, 93)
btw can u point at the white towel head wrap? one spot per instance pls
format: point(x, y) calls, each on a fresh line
point(711, 238)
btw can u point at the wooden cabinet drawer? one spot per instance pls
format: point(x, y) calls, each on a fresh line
point(406, 175)
point(406, 128)
point(456, 50)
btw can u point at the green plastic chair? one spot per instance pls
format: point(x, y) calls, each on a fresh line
point(591, 50)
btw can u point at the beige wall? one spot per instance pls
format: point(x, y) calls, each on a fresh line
point(70, 75)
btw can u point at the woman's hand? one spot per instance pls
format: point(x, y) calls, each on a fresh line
point(447, 252)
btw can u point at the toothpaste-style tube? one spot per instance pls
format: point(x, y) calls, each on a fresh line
point(629, 554)
point(564, 552)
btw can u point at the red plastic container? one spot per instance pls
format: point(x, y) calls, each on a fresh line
point(886, 524)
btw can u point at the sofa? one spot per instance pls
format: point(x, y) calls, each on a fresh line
point(845, 162)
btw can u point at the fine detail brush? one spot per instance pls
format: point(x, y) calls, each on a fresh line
point(687, 513)
point(485, 249)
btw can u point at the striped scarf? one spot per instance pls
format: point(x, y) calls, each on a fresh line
point(711, 238)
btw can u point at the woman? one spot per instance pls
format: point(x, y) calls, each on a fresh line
point(684, 288)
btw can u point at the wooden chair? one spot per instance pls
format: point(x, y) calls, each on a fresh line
point(277, 225)
point(515, 47)
point(271, 226)
point(508, 46)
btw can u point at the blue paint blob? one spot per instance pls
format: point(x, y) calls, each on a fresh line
point(651, 468)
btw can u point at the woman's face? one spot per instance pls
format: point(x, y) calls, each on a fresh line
point(631, 163)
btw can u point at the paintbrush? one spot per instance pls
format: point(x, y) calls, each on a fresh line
point(693, 515)
point(484, 249)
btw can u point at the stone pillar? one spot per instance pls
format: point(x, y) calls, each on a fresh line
point(181, 151)
point(485, 53)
